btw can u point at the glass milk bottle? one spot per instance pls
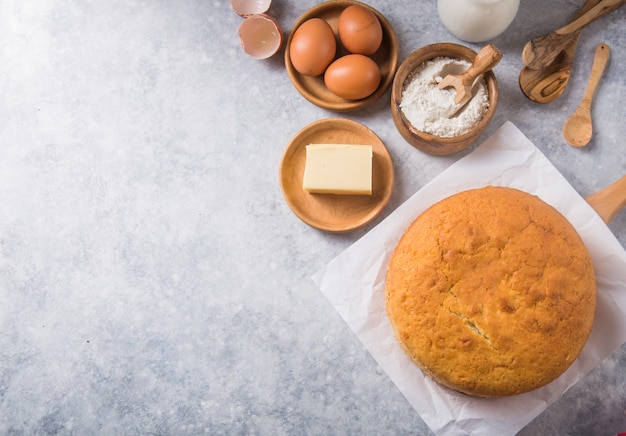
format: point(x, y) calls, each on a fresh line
point(477, 20)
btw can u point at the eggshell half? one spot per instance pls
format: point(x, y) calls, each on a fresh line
point(245, 8)
point(261, 36)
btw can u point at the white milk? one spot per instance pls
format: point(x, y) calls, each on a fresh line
point(477, 20)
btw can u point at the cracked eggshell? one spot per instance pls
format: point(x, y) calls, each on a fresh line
point(261, 36)
point(246, 8)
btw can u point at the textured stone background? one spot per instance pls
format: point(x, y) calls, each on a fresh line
point(152, 278)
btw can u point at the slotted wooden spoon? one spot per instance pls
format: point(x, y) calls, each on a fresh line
point(547, 84)
point(542, 50)
point(578, 128)
point(609, 201)
point(487, 58)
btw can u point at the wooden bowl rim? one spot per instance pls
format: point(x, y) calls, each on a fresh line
point(386, 80)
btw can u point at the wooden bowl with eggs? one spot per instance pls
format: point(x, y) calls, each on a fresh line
point(430, 143)
point(313, 88)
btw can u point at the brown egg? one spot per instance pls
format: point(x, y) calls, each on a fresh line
point(352, 77)
point(312, 47)
point(359, 30)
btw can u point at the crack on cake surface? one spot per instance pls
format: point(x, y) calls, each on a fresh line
point(473, 326)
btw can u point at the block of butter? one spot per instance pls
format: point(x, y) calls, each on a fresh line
point(338, 169)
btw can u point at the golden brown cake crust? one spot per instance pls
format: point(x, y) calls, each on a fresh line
point(491, 292)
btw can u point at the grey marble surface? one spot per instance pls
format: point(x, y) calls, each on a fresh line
point(152, 278)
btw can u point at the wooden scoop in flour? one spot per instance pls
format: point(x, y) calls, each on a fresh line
point(609, 201)
point(487, 58)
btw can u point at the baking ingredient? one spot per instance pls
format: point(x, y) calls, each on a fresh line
point(428, 108)
point(353, 77)
point(312, 47)
point(246, 8)
point(338, 169)
point(477, 20)
point(261, 36)
point(359, 30)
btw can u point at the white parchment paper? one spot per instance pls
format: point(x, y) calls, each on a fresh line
point(354, 283)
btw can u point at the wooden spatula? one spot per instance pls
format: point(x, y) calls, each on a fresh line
point(542, 50)
point(610, 200)
point(547, 84)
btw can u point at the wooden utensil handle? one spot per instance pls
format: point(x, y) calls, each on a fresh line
point(599, 63)
point(609, 201)
point(599, 10)
point(487, 58)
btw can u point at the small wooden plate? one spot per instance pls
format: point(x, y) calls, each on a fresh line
point(335, 213)
point(314, 89)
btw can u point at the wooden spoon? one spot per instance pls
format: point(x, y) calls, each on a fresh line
point(609, 201)
point(542, 50)
point(578, 129)
point(487, 58)
point(547, 84)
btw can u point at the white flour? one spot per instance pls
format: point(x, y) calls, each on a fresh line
point(427, 107)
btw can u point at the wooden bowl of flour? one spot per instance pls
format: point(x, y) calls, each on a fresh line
point(428, 142)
